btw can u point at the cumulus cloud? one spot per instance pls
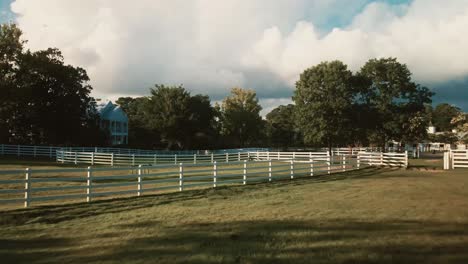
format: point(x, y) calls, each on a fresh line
point(427, 35)
point(211, 46)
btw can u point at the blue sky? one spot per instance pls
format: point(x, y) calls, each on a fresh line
point(212, 46)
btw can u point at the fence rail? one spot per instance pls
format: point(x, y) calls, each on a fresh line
point(459, 158)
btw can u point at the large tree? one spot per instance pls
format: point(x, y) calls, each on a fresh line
point(44, 101)
point(282, 130)
point(181, 120)
point(240, 120)
point(397, 103)
point(324, 98)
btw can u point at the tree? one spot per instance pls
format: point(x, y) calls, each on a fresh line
point(324, 97)
point(182, 121)
point(282, 128)
point(43, 101)
point(397, 102)
point(239, 117)
point(140, 134)
point(442, 116)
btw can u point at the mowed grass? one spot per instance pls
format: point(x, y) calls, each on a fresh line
point(375, 215)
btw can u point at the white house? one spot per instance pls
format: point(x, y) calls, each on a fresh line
point(114, 120)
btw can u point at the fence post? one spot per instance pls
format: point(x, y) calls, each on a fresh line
point(244, 179)
point(406, 159)
point(381, 157)
point(175, 158)
point(227, 157)
point(268, 155)
point(344, 163)
point(238, 156)
point(311, 160)
point(92, 158)
point(133, 159)
point(76, 157)
point(139, 189)
point(27, 188)
point(292, 169)
point(329, 163)
point(194, 158)
point(112, 159)
point(248, 155)
point(445, 161)
point(212, 158)
point(269, 171)
point(215, 173)
point(181, 177)
point(89, 182)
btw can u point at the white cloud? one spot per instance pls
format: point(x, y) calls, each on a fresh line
point(211, 46)
point(427, 35)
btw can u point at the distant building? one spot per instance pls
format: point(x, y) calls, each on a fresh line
point(114, 120)
point(431, 130)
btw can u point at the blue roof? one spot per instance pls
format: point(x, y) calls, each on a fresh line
point(109, 111)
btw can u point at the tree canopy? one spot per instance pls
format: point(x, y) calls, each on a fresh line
point(44, 101)
point(324, 98)
point(397, 103)
point(239, 117)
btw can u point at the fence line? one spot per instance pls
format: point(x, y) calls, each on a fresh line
point(87, 184)
point(50, 151)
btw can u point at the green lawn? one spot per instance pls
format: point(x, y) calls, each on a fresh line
point(370, 216)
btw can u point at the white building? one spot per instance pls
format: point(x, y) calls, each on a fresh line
point(114, 120)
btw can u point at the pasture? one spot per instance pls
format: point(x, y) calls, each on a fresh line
point(375, 215)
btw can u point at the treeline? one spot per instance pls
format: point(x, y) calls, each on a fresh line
point(333, 107)
point(42, 100)
point(172, 118)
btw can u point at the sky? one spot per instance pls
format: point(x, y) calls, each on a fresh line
point(211, 46)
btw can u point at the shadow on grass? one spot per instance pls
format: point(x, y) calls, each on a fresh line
point(58, 213)
point(330, 241)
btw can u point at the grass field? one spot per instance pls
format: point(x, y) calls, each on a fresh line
point(370, 216)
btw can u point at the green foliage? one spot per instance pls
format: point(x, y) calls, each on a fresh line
point(442, 116)
point(397, 103)
point(239, 117)
point(281, 128)
point(324, 98)
point(43, 101)
point(170, 118)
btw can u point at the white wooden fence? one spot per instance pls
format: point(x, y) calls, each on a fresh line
point(456, 159)
point(30, 151)
point(112, 159)
point(64, 185)
point(384, 159)
point(86, 184)
point(50, 151)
